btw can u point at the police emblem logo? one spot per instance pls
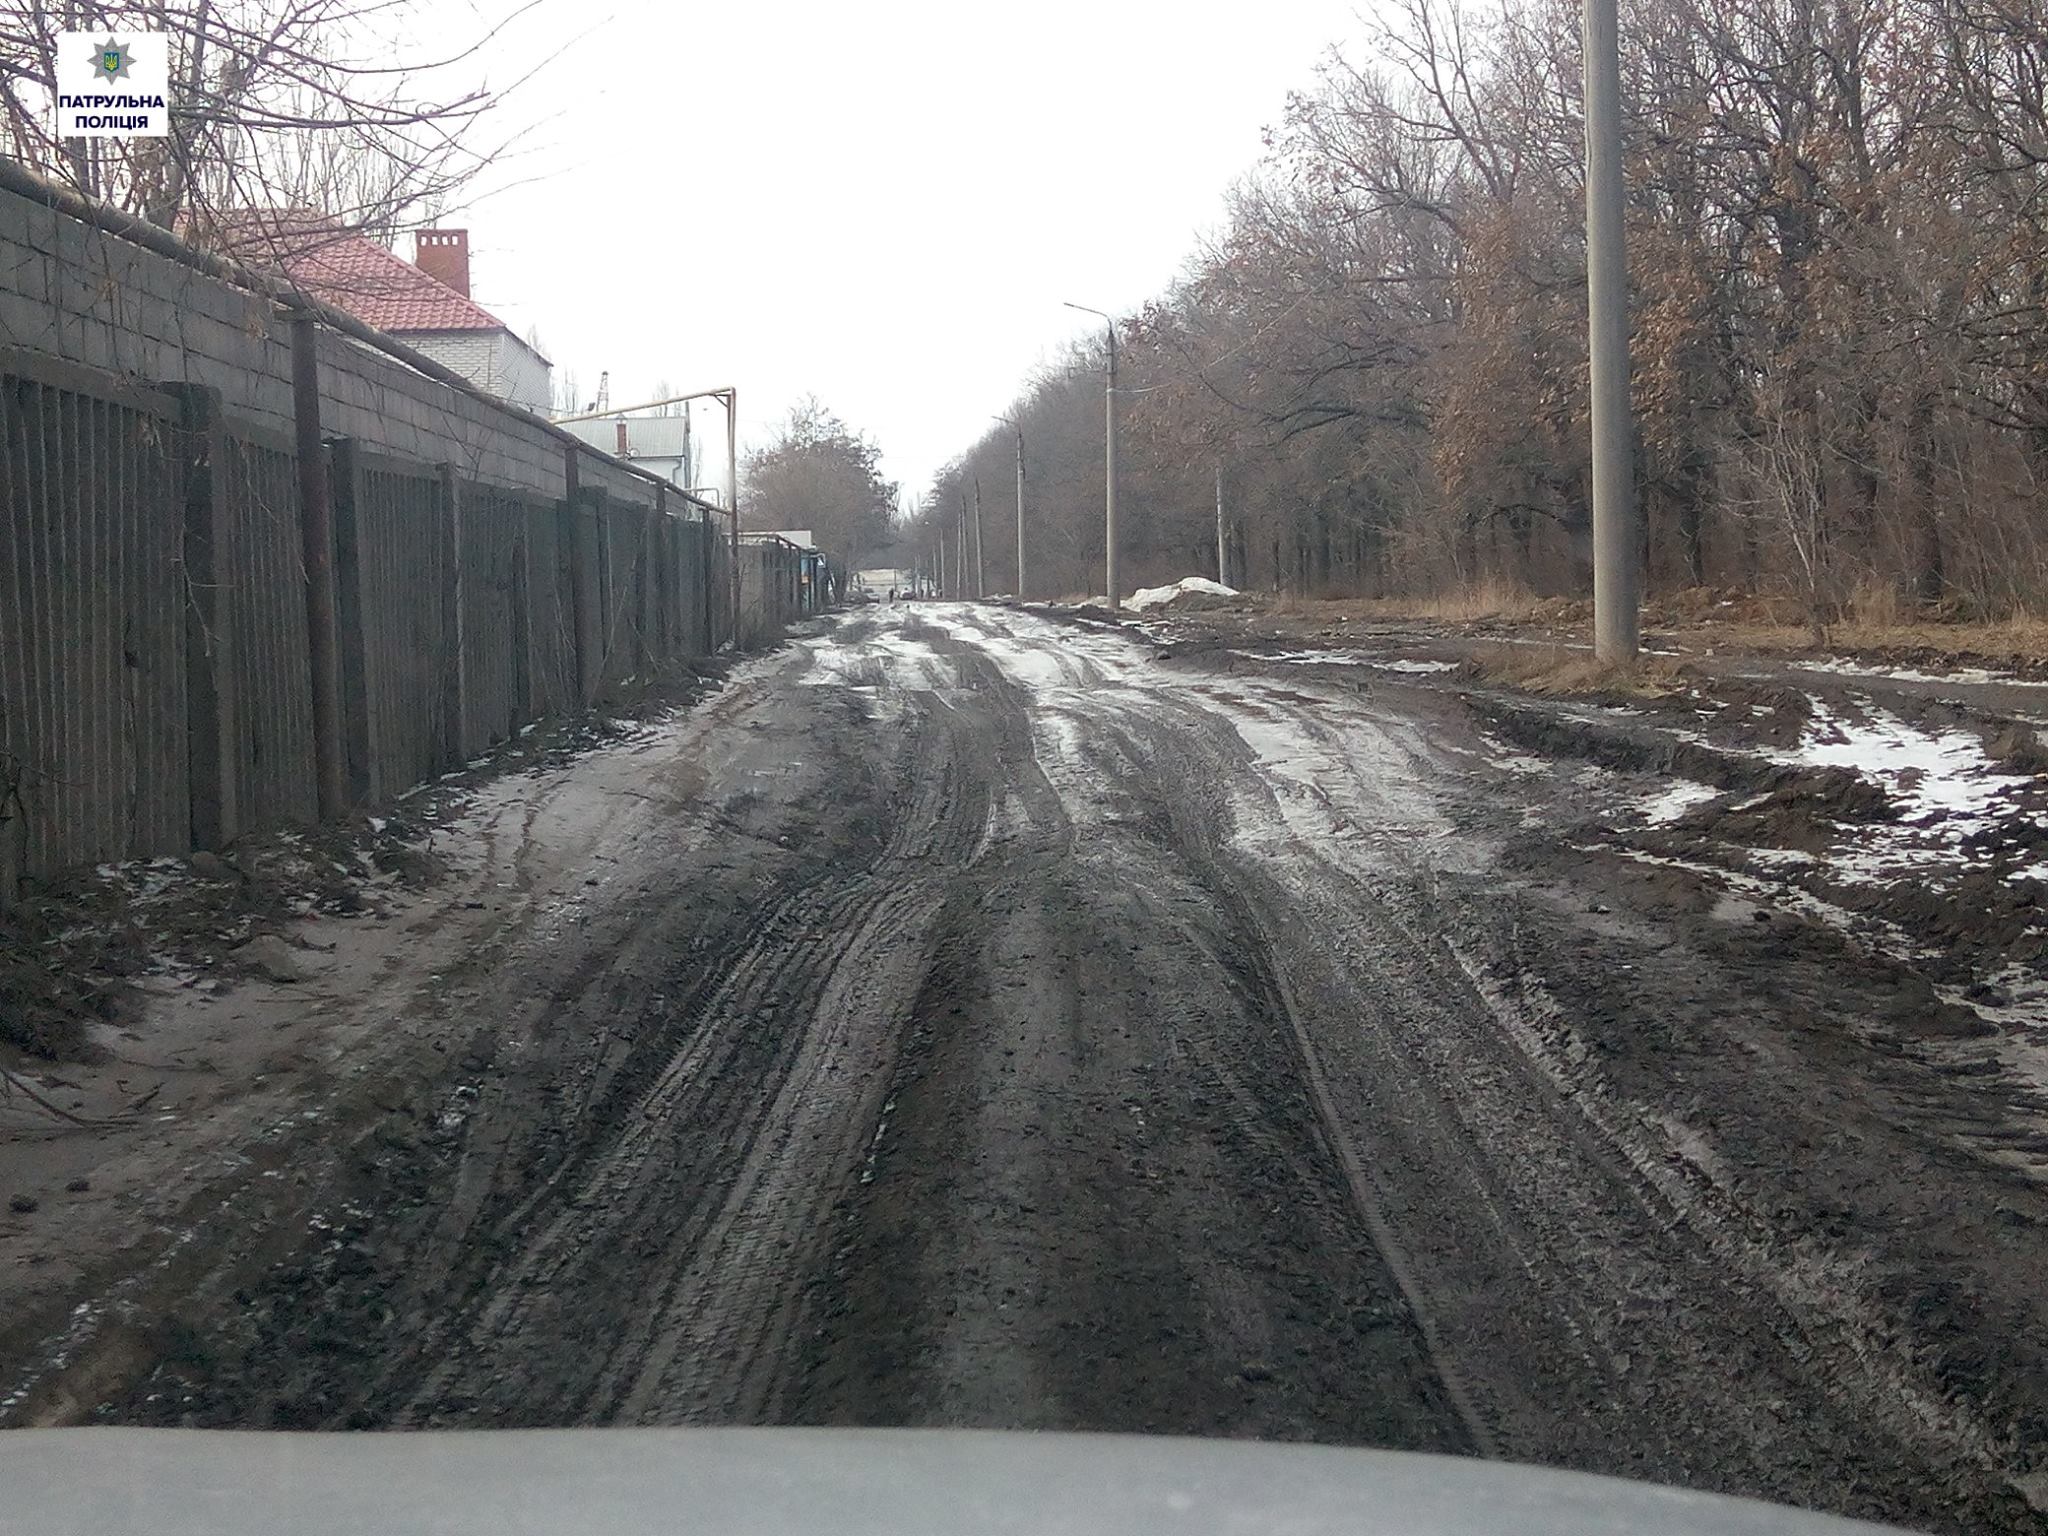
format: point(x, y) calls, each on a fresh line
point(111, 62)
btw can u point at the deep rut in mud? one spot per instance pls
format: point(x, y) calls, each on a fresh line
point(983, 1027)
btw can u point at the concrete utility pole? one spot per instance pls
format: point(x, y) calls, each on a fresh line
point(980, 573)
point(1616, 613)
point(1020, 514)
point(1222, 544)
point(1108, 461)
point(960, 551)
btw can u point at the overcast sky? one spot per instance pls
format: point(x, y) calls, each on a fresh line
point(882, 204)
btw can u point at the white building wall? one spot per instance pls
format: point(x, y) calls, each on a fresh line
point(519, 373)
point(495, 361)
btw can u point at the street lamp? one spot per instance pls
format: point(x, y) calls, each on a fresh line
point(1108, 459)
point(1017, 426)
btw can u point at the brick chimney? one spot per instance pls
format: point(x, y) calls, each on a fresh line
point(443, 254)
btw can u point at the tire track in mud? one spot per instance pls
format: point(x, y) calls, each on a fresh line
point(729, 1158)
point(1635, 1317)
point(1122, 814)
point(644, 1174)
point(1185, 762)
point(1253, 1079)
point(1371, 950)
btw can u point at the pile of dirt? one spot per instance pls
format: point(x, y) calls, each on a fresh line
point(1805, 812)
point(1982, 913)
point(1641, 747)
point(65, 965)
point(71, 950)
point(2017, 749)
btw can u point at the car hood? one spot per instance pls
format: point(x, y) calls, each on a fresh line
point(782, 1482)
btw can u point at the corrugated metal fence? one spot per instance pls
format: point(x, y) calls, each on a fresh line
point(93, 758)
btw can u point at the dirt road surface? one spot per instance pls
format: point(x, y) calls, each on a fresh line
point(969, 1018)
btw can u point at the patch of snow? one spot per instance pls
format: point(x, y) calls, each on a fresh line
point(1307, 658)
point(1347, 659)
point(1033, 666)
point(1847, 666)
point(1675, 801)
point(1403, 664)
point(1159, 597)
point(1934, 775)
point(1509, 760)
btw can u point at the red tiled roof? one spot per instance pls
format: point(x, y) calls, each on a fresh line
point(352, 272)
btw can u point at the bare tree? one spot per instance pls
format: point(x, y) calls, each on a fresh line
point(1838, 214)
point(275, 104)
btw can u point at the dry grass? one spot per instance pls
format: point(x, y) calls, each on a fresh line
point(1556, 670)
point(2022, 638)
point(1494, 600)
point(1488, 600)
point(1877, 619)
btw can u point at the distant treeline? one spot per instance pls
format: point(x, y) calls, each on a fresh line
point(1838, 226)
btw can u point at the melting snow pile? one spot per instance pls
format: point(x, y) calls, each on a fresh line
point(1936, 777)
point(1179, 591)
point(1948, 792)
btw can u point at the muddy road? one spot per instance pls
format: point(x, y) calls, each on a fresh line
point(970, 1019)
